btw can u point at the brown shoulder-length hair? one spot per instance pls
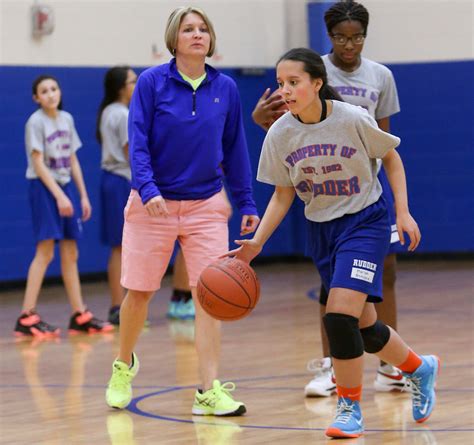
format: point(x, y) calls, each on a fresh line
point(174, 22)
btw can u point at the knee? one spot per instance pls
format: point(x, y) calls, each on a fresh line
point(375, 337)
point(345, 340)
point(69, 252)
point(45, 255)
point(390, 271)
point(135, 300)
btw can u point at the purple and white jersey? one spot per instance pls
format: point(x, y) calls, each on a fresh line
point(331, 164)
point(56, 138)
point(371, 86)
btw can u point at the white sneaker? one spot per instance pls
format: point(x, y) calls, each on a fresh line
point(390, 378)
point(324, 382)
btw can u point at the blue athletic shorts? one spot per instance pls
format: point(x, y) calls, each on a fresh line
point(349, 251)
point(47, 223)
point(114, 193)
point(395, 245)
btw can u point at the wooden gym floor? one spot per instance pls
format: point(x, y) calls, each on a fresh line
point(52, 392)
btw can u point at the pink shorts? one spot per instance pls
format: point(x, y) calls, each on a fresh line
point(200, 226)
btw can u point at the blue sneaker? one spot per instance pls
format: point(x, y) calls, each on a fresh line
point(423, 382)
point(185, 310)
point(172, 309)
point(348, 421)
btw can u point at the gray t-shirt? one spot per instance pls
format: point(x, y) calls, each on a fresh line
point(114, 132)
point(331, 164)
point(56, 138)
point(370, 86)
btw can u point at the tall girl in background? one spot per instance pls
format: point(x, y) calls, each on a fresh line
point(51, 144)
point(112, 134)
point(325, 151)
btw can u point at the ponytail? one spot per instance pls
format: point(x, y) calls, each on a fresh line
point(327, 92)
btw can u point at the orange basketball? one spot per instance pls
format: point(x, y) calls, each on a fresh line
point(228, 289)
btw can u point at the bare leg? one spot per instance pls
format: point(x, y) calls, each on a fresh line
point(70, 273)
point(43, 257)
point(133, 313)
point(113, 272)
point(180, 273)
point(387, 309)
point(208, 343)
point(324, 336)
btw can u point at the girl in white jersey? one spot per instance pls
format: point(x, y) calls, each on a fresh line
point(325, 152)
point(112, 134)
point(51, 144)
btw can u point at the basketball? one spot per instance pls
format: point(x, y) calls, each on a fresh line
point(228, 289)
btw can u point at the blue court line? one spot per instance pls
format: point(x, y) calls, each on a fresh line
point(133, 408)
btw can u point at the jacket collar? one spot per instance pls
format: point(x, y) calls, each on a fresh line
point(173, 73)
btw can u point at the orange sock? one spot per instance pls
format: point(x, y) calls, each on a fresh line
point(350, 393)
point(411, 364)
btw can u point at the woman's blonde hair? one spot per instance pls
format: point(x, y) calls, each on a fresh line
point(174, 22)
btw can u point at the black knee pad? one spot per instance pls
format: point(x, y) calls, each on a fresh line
point(323, 295)
point(345, 339)
point(375, 337)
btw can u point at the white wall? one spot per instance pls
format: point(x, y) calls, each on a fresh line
point(250, 32)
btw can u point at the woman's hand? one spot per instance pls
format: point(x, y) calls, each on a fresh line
point(156, 206)
point(249, 224)
point(406, 223)
point(86, 208)
point(247, 251)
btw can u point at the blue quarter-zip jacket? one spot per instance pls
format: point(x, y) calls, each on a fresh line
point(182, 142)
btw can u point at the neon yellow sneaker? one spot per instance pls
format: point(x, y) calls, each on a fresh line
point(119, 389)
point(217, 401)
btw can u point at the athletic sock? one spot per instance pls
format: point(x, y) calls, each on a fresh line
point(411, 364)
point(353, 394)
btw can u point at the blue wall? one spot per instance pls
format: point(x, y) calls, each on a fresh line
point(437, 147)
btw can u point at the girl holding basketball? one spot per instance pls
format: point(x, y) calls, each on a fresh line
point(112, 134)
point(186, 133)
point(51, 144)
point(325, 151)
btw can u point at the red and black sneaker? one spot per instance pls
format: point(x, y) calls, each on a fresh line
point(86, 322)
point(30, 324)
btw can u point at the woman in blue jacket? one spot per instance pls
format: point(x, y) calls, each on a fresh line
point(185, 135)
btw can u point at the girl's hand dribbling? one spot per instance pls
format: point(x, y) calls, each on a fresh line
point(406, 223)
point(156, 206)
point(247, 251)
point(65, 206)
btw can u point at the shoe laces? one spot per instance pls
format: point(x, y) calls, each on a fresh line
point(344, 411)
point(317, 367)
point(227, 388)
point(417, 394)
point(121, 378)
